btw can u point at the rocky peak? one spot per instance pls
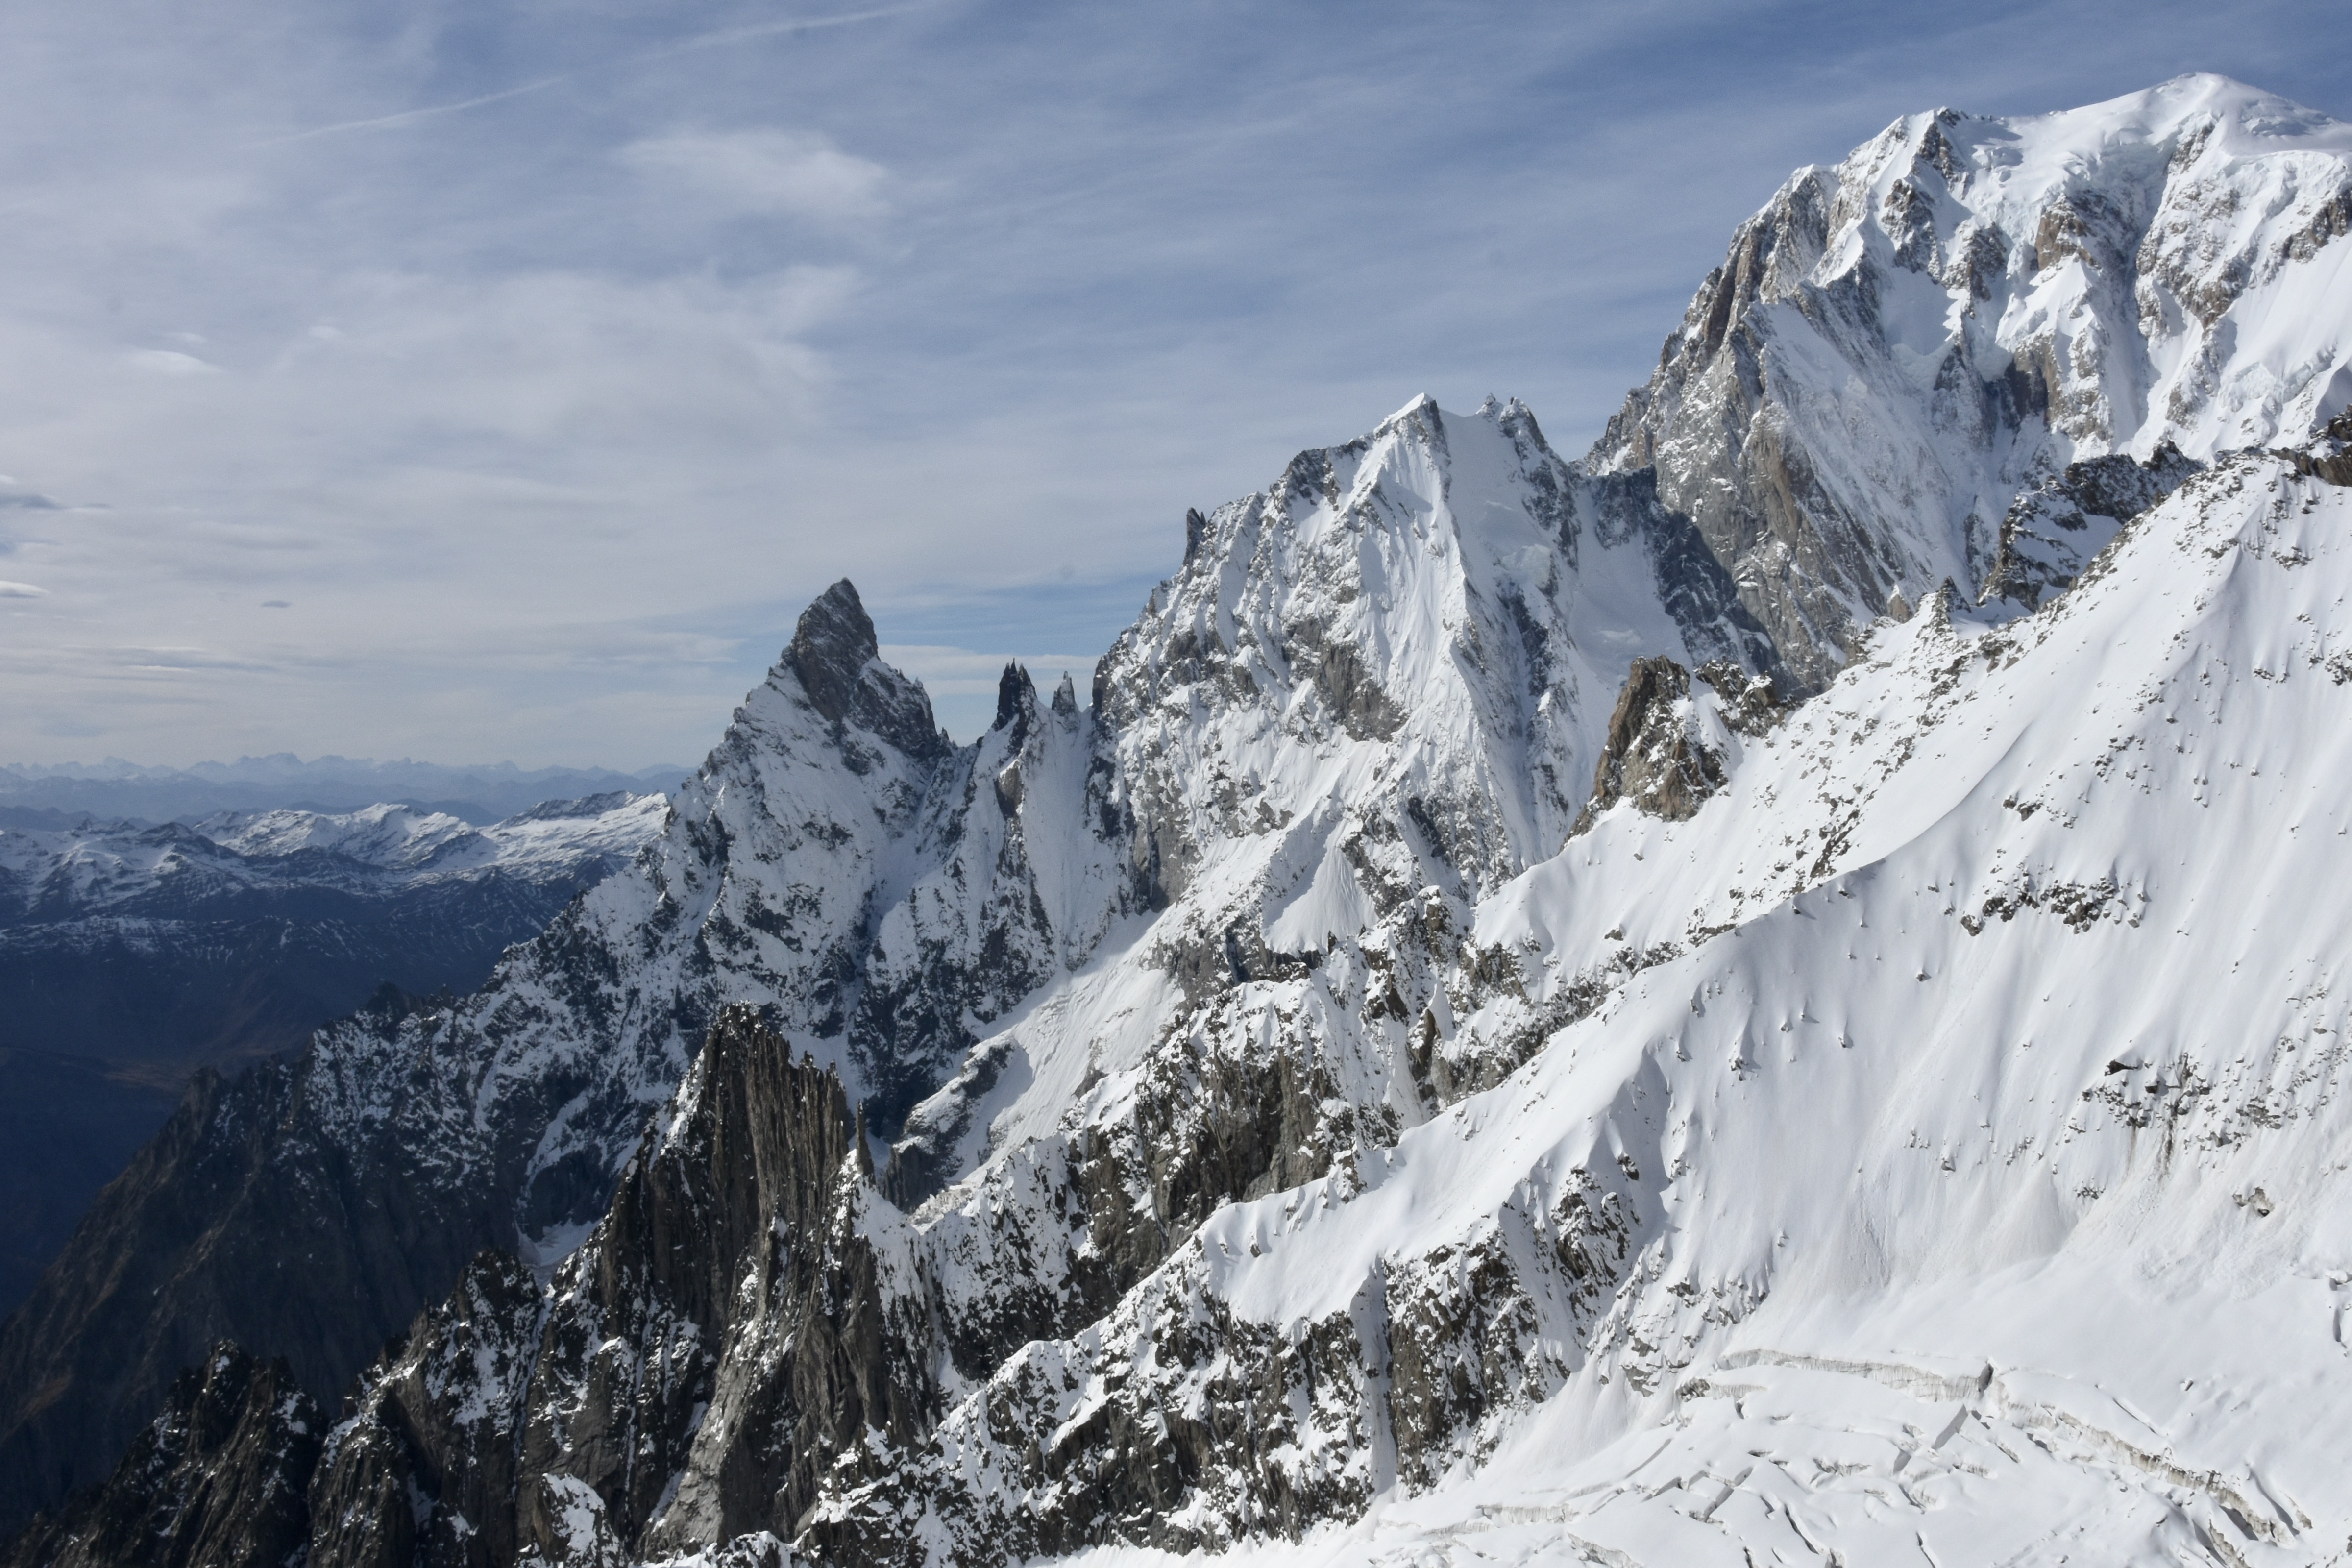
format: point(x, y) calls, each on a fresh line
point(830, 647)
point(1184, 1000)
point(1446, 592)
point(1895, 349)
point(1016, 704)
point(834, 655)
point(1657, 753)
point(833, 859)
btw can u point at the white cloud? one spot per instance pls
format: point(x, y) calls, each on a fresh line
point(22, 590)
point(782, 173)
point(544, 447)
point(546, 357)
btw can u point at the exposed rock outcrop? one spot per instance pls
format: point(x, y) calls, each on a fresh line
point(2329, 454)
point(1280, 1114)
point(2051, 532)
point(833, 859)
point(1657, 754)
point(1896, 347)
point(735, 1331)
point(423, 1471)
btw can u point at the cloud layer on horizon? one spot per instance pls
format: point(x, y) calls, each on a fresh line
point(498, 381)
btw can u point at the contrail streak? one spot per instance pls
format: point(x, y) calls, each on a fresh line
point(707, 40)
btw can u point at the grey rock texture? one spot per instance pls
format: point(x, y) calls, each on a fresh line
point(833, 859)
point(1656, 754)
point(1142, 990)
point(727, 1338)
point(2329, 455)
point(237, 1221)
point(735, 1331)
point(1896, 348)
point(424, 1471)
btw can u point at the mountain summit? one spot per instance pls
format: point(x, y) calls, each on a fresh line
point(1770, 991)
point(1898, 346)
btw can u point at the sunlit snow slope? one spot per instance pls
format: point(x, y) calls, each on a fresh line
point(1981, 1192)
point(1436, 1056)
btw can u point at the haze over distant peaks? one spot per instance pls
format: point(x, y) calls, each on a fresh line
point(479, 792)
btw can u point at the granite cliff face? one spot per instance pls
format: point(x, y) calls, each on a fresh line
point(218, 1476)
point(731, 1334)
point(1438, 1027)
point(2051, 532)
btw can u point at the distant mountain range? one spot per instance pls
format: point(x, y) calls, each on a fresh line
point(37, 796)
point(131, 956)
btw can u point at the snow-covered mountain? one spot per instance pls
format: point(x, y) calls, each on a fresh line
point(235, 935)
point(130, 956)
point(95, 867)
point(331, 784)
point(1954, 1157)
point(1440, 1054)
point(1895, 348)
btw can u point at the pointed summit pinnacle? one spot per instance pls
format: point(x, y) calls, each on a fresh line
point(830, 647)
point(1017, 696)
point(835, 655)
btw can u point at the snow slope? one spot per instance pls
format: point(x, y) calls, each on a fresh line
point(1980, 1188)
point(1389, 672)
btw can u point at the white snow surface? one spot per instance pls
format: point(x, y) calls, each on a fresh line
point(400, 838)
point(1988, 1173)
point(1929, 1150)
point(1395, 664)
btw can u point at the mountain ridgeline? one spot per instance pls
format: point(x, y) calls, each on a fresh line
point(1587, 1007)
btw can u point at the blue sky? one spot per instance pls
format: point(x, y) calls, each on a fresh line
point(497, 380)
